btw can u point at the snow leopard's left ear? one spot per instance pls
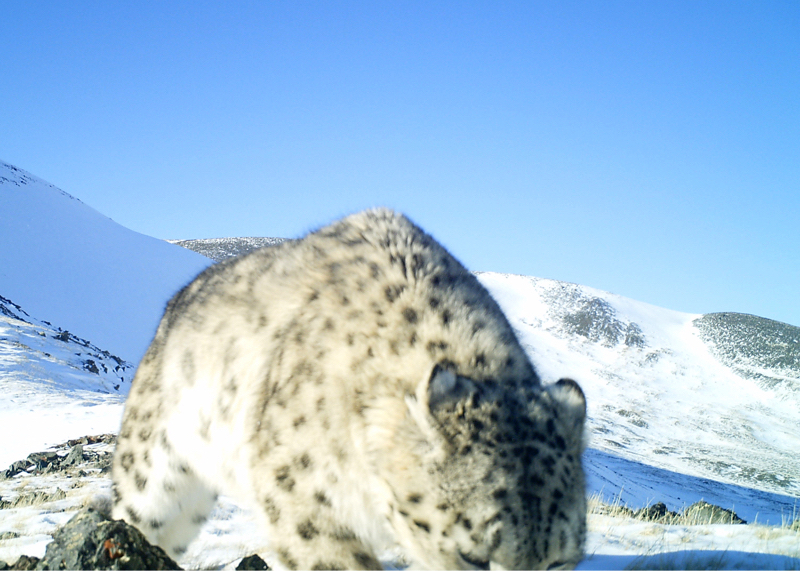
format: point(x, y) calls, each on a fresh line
point(445, 387)
point(441, 390)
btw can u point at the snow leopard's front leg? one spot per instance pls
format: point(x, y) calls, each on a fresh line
point(303, 507)
point(159, 493)
point(316, 542)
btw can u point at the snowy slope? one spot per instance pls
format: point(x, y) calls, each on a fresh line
point(54, 385)
point(81, 271)
point(668, 420)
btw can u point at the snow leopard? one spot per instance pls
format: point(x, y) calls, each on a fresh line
point(359, 390)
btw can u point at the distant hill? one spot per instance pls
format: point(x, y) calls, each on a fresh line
point(66, 263)
point(755, 347)
point(219, 249)
point(713, 396)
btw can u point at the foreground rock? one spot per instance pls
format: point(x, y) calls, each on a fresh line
point(91, 541)
point(252, 563)
point(24, 563)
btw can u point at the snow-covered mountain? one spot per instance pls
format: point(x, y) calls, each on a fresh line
point(681, 407)
point(80, 298)
point(68, 264)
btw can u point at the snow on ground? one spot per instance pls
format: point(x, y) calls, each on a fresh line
point(619, 543)
point(28, 528)
point(49, 395)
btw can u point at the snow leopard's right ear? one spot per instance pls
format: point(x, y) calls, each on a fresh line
point(571, 400)
point(446, 387)
point(570, 395)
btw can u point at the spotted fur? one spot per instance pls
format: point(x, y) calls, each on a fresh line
point(359, 389)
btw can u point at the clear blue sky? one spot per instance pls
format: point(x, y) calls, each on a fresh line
point(651, 149)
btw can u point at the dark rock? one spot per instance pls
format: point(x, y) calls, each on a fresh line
point(704, 513)
point(657, 513)
point(20, 466)
point(700, 513)
point(91, 366)
point(253, 562)
point(42, 459)
point(103, 463)
point(33, 499)
point(14, 469)
point(94, 439)
point(24, 563)
point(62, 336)
point(74, 457)
point(48, 462)
point(91, 541)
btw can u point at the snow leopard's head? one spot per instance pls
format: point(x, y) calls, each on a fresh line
point(486, 475)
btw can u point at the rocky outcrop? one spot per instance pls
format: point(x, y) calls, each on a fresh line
point(704, 513)
point(50, 461)
point(700, 513)
point(91, 541)
point(219, 249)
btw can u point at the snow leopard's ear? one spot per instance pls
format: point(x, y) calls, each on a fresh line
point(441, 390)
point(572, 402)
point(570, 393)
point(446, 387)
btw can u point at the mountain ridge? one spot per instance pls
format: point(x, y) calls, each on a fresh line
point(219, 249)
point(65, 262)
